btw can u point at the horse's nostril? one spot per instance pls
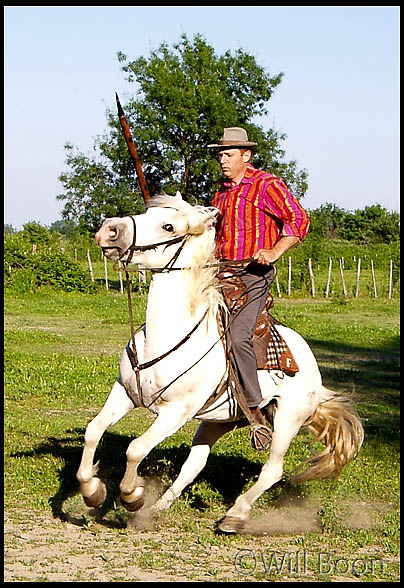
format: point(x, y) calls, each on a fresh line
point(113, 233)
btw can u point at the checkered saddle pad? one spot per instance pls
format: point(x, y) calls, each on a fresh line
point(271, 350)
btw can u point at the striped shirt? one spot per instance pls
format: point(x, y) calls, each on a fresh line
point(255, 214)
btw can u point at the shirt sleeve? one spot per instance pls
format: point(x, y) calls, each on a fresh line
point(281, 203)
point(215, 199)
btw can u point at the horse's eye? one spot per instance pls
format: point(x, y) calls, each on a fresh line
point(168, 228)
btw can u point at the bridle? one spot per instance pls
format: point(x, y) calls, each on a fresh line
point(132, 351)
point(133, 247)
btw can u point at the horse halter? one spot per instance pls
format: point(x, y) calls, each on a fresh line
point(133, 247)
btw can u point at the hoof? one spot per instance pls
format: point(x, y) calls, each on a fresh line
point(230, 525)
point(134, 505)
point(98, 498)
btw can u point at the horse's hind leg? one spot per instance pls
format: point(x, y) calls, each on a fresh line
point(117, 405)
point(205, 437)
point(272, 471)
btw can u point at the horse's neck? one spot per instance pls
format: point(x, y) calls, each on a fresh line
point(168, 316)
point(179, 298)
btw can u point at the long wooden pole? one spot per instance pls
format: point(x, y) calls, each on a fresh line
point(341, 268)
point(90, 266)
point(132, 151)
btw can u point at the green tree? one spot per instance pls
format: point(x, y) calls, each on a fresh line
point(186, 96)
point(35, 233)
point(67, 228)
point(373, 224)
point(327, 220)
point(8, 229)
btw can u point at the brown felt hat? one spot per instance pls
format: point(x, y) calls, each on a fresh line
point(233, 137)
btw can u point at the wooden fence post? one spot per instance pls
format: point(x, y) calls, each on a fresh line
point(277, 285)
point(106, 274)
point(141, 272)
point(120, 277)
point(391, 279)
point(327, 290)
point(373, 277)
point(341, 264)
point(313, 290)
point(90, 265)
point(357, 278)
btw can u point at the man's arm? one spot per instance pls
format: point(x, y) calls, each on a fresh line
point(267, 256)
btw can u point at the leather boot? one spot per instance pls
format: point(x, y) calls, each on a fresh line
point(260, 434)
point(268, 412)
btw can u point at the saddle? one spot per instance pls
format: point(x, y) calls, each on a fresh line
point(271, 350)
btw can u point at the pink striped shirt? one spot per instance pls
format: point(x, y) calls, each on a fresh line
point(255, 214)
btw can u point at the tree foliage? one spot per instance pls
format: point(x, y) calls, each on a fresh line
point(373, 224)
point(186, 95)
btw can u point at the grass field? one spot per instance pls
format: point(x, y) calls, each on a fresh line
point(61, 359)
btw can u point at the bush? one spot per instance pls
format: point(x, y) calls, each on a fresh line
point(56, 269)
point(25, 271)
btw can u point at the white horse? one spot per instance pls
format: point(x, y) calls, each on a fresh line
point(176, 241)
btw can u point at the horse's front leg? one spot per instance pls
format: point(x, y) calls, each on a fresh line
point(117, 405)
point(171, 418)
point(205, 437)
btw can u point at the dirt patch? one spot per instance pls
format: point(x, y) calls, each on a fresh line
point(40, 548)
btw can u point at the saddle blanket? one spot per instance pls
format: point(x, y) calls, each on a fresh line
point(271, 350)
point(278, 354)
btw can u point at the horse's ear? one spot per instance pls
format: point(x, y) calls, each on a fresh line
point(178, 195)
point(212, 215)
point(202, 218)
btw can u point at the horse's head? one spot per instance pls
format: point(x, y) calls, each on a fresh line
point(149, 239)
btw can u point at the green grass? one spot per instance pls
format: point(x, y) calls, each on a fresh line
point(61, 359)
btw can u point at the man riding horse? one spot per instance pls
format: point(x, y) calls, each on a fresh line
point(259, 221)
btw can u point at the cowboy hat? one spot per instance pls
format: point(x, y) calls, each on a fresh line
point(233, 137)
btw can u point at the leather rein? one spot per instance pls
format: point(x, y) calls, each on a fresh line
point(132, 352)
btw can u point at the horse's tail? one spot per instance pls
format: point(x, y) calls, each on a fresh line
point(339, 428)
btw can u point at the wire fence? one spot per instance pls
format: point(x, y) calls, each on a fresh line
point(308, 278)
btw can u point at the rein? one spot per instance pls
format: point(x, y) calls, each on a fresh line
point(147, 364)
point(132, 352)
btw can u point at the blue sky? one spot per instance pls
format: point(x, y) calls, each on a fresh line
point(337, 103)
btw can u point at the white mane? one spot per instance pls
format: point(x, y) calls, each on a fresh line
point(167, 201)
point(200, 278)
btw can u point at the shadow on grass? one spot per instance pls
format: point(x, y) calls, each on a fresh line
point(370, 377)
point(226, 474)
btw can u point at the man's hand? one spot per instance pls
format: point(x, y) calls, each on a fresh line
point(268, 256)
point(265, 256)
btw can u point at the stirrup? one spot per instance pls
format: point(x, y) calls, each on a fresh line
point(260, 437)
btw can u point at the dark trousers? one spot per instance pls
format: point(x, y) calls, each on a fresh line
point(257, 278)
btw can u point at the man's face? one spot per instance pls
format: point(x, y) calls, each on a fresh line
point(234, 162)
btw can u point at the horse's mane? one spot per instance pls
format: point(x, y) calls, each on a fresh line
point(200, 278)
point(167, 201)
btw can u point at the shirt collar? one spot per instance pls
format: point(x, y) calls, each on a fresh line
point(247, 179)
